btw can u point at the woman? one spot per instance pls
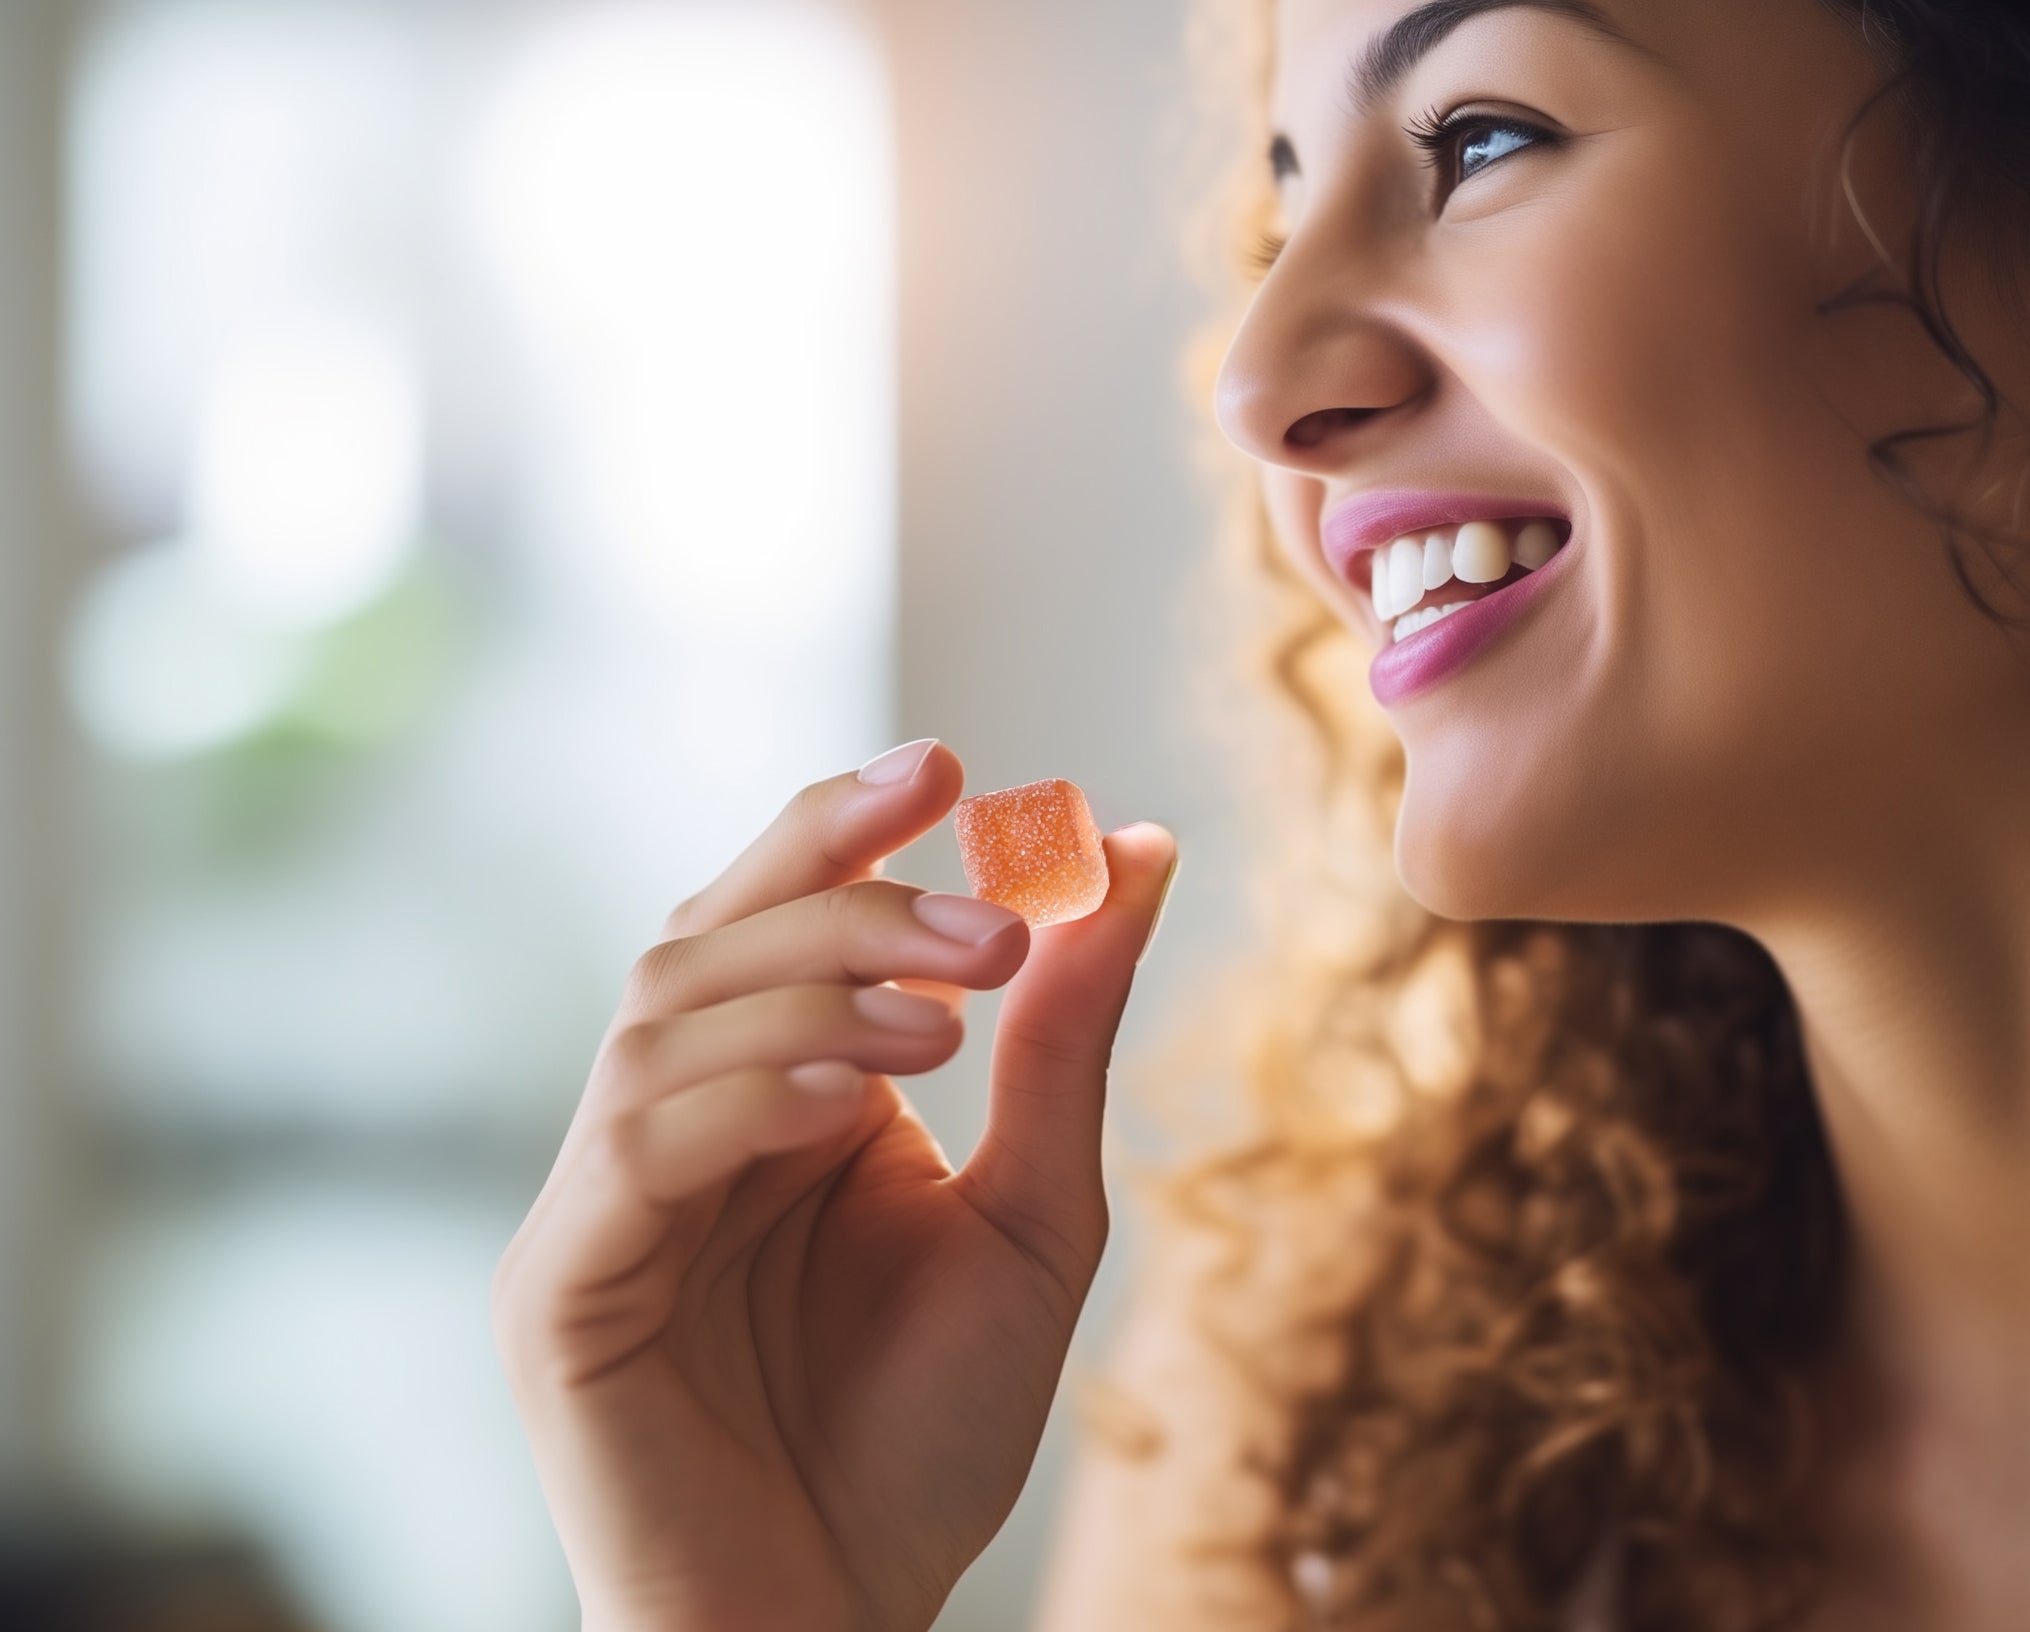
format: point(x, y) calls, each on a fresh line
point(1687, 1287)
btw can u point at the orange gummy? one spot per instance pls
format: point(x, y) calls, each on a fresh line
point(1034, 850)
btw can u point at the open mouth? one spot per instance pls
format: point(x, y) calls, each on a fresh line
point(1425, 577)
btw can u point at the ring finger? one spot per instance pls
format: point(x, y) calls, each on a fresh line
point(876, 1028)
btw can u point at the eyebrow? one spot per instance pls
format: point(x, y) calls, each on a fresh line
point(1391, 55)
point(1405, 43)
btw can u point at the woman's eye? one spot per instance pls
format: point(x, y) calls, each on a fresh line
point(1491, 144)
point(1452, 146)
point(1458, 148)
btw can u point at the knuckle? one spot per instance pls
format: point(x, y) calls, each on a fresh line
point(809, 820)
point(662, 973)
point(612, 1148)
point(685, 917)
point(871, 897)
point(839, 907)
point(1070, 1055)
point(844, 924)
point(612, 1159)
point(633, 1052)
point(880, 897)
point(807, 815)
point(513, 1309)
point(859, 916)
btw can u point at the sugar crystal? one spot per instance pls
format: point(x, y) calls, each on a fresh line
point(1034, 850)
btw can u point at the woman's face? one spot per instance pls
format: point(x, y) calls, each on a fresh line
point(1756, 671)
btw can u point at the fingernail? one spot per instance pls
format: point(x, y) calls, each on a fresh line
point(832, 1078)
point(898, 765)
point(963, 918)
point(1162, 901)
point(901, 1011)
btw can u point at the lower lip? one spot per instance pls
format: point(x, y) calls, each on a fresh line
point(1411, 667)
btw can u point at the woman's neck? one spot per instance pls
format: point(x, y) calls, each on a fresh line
point(1915, 1012)
point(1913, 990)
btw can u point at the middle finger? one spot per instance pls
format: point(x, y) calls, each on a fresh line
point(858, 934)
point(874, 1027)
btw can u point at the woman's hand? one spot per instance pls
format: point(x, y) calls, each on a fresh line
point(782, 1368)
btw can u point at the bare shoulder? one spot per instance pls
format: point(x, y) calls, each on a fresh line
point(1164, 1493)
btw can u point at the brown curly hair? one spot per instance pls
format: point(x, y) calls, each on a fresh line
point(1533, 1237)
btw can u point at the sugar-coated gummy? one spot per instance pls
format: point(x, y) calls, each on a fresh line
point(1034, 850)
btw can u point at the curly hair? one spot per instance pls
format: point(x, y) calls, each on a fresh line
point(1533, 1235)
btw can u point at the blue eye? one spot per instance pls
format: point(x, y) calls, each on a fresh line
point(1494, 143)
point(1450, 144)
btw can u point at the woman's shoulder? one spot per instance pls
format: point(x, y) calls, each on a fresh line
point(1152, 1524)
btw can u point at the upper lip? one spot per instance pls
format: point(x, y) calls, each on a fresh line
point(1369, 520)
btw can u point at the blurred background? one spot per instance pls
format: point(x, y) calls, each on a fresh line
point(463, 464)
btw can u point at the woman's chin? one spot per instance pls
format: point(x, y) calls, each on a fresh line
point(1446, 895)
point(1465, 872)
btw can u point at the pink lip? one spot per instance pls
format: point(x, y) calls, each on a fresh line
point(1412, 666)
point(1369, 520)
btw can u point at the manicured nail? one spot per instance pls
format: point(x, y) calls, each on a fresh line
point(1162, 901)
point(962, 918)
point(830, 1078)
point(901, 1011)
point(898, 765)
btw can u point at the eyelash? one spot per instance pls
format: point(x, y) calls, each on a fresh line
point(1439, 138)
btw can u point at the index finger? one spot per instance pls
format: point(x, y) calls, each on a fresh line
point(830, 834)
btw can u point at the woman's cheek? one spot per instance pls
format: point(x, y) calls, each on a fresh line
point(1607, 310)
point(1294, 503)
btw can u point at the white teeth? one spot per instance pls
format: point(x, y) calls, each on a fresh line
point(1536, 544)
point(1406, 575)
point(1406, 627)
point(1397, 587)
point(1480, 553)
point(1402, 573)
point(1437, 562)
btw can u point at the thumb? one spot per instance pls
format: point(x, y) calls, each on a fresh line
point(1036, 1170)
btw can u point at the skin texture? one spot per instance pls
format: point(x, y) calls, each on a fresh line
point(780, 1365)
point(1761, 698)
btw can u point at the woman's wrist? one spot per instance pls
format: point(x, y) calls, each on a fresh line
point(678, 1621)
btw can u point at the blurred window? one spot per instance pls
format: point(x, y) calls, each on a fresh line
point(492, 412)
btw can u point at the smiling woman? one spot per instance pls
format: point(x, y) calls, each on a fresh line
point(1627, 1233)
point(1674, 1300)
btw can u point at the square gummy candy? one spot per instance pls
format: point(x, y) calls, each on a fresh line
point(1033, 850)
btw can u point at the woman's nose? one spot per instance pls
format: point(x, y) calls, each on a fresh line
point(1309, 371)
